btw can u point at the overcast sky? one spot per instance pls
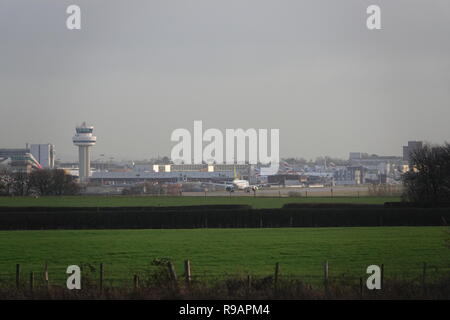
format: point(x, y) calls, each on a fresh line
point(137, 70)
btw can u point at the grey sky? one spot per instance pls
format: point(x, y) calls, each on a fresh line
point(140, 69)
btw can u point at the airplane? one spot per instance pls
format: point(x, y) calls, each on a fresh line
point(238, 184)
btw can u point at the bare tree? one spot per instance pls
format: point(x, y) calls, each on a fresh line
point(42, 182)
point(63, 184)
point(428, 180)
point(20, 185)
point(6, 181)
point(53, 182)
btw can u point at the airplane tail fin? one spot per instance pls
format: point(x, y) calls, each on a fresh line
point(236, 176)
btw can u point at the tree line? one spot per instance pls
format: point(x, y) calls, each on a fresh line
point(45, 182)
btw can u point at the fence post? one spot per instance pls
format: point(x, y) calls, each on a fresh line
point(424, 276)
point(17, 276)
point(136, 281)
point(187, 272)
point(31, 281)
point(101, 276)
point(325, 276)
point(46, 274)
point(277, 271)
point(172, 273)
point(361, 288)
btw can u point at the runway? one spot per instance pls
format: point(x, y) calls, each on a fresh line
point(338, 191)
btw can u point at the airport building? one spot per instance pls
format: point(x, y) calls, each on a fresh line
point(44, 154)
point(23, 159)
point(133, 177)
point(239, 168)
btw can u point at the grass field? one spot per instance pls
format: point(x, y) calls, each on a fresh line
point(220, 252)
point(125, 201)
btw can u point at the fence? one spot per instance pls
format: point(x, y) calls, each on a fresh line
point(330, 283)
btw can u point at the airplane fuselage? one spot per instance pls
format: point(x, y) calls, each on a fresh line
point(241, 184)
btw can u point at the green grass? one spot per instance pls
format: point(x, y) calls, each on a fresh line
point(218, 252)
point(125, 201)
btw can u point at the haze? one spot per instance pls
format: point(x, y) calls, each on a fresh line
point(137, 70)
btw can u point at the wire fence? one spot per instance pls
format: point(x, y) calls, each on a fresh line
point(104, 275)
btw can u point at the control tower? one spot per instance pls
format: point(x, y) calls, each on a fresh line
point(84, 139)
